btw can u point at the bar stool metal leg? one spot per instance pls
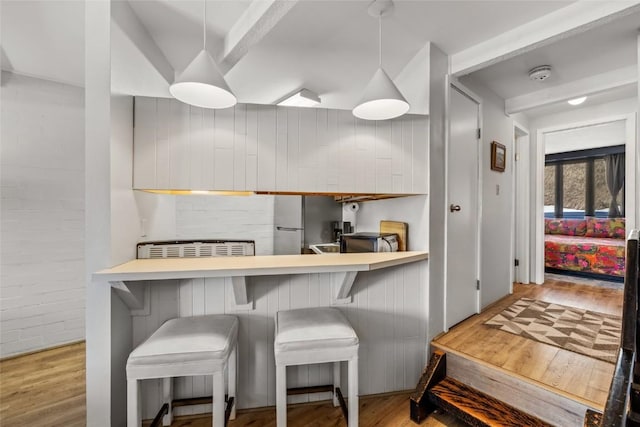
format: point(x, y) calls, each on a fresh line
point(353, 392)
point(167, 391)
point(336, 382)
point(281, 395)
point(134, 417)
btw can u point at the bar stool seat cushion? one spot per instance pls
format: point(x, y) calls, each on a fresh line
point(185, 341)
point(315, 328)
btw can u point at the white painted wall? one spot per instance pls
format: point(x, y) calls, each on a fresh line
point(230, 217)
point(125, 225)
point(42, 293)
point(169, 217)
point(100, 383)
point(413, 81)
point(602, 135)
point(414, 210)
point(496, 233)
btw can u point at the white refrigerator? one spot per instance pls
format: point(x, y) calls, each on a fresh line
point(301, 221)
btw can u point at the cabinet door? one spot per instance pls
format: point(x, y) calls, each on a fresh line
point(269, 148)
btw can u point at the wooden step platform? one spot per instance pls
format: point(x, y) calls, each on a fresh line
point(592, 418)
point(478, 409)
point(555, 385)
point(544, 402)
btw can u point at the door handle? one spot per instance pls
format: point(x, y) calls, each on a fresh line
point(288, 228)
point(455, 208)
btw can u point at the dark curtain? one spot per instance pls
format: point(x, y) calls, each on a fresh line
point(615, 181)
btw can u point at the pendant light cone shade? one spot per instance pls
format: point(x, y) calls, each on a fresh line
point(382, 100)
point(202, 84)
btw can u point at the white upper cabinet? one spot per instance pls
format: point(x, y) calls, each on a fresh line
point(280, 149)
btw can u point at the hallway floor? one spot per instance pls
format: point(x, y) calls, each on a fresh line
point(574, 375)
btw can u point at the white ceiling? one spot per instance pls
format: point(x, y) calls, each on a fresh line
point(327, 46)
point(623, 92)
point(44, 39)
point(604, 48)
point(176, 26)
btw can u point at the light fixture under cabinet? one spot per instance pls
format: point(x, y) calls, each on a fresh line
point(302, 98)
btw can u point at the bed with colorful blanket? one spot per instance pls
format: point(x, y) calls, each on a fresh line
point(590, 245)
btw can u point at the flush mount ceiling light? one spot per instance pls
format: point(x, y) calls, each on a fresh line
point(577, 101)
point(541, 73)
point(381, 100)
point(201, 83)
point(302, 98)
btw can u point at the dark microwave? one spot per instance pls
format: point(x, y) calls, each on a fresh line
point(368, 242)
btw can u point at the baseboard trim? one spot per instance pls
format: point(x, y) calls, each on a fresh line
point(29, 353)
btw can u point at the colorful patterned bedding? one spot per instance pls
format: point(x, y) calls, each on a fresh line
point(578, 251)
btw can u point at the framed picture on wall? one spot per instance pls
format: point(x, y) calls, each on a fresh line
point(498, 156)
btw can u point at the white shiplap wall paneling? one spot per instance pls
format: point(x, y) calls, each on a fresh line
point(267, 140)
point(240, 148)
point(386, 313)
point(269, 148)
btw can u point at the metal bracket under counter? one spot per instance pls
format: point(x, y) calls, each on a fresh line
point(137, 298)
point(136, 295)
point(342, 271)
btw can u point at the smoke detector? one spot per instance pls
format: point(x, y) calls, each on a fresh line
point(541, 73)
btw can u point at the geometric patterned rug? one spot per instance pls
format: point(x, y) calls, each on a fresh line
point(586, 332)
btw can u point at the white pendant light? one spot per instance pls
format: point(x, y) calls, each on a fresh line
point(381, 100)
point(201, 83)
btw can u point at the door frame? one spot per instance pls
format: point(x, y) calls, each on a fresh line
point(520, 211)
point(453, 83)
point(631, 171)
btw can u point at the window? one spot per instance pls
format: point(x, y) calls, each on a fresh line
point(549, 189)
point(602, 197)
point(575, 184)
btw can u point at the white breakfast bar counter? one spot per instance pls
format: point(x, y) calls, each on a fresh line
point(138, 289)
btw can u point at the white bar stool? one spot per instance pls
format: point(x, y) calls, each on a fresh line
point(186, 346)
point(316, 335)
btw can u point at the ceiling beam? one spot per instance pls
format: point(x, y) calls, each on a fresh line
point(126, 19)
point(583, 87)
point(560, 24)
point(255, 23)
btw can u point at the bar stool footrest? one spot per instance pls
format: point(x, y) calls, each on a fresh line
point(204, 400)
point(311, 389)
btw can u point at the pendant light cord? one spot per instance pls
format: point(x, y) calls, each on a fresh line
point(204, 25)
point(380, 41)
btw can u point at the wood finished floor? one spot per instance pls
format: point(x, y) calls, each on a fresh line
point(44, 389)
point(375, 411)
point(47, 388)
point(571, 374)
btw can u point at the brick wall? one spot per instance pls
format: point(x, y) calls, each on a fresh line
point(227, 217)
point(42, 286)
